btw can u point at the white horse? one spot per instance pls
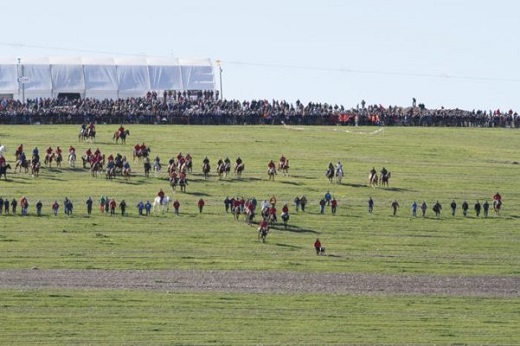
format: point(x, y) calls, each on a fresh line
point(162, 207)
point(72, 159)
point(339, 175)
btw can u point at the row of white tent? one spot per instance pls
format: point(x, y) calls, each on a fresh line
point(101, 77)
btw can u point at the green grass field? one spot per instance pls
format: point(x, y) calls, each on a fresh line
point(427, 164)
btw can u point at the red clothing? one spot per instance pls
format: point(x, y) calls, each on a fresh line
point(200, 203)
point(263, 224)
point(333, 203)
point(317, 244)
point(176, 204)
point(49, 151)
point(497, 197)
point(160, 194)
point(270, 164)
point(285, 209)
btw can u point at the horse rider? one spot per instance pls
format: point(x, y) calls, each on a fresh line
point(271, 166)
point(497, 198)
point(339, 167)
point(372, 173)
point(19, 149)
point(384, 172)
point(160, 194)
point(331, 167)
point(58, 151)
point(227, 161)
point(48, 151)
point(220, 162)
point(2, 161)
point(72, 150)
point(205, 161)
point(120, 130)
point(282, 161)
point(238, 163)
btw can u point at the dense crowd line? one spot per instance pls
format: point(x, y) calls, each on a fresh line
point(206, 108)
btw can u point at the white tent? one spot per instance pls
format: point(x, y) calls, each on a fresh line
point(98, 77)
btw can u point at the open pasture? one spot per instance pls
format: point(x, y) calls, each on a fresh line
point(427, 164)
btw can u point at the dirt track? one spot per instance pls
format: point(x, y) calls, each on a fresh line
point(262, 282)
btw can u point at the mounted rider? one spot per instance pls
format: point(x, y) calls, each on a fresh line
point(373, 173)
point(238, 163)
point(330, 169)
point(497, 197)
point(120, 130)
point(271, 167)
point(339, 167)
point(384, 172)
point(160, 194)
point(282, 162)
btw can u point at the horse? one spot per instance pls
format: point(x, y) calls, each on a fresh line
point(59, 159)
point(271, 172)
point(163, 206)
point(3, 170)
point(141, 154)
point(35, 169)
point(285, 219)
point(239, 169)
point(262, 234)
point(121, 135)
point(383, 181)
point(147, 168)
point(72, 160)
point(22, 164)
point(339, 175)
point(221, 170)
point(48, 159)
point(284, 167)
point(497, 204)
point(330, 174)
point(87, 135)
point(174, 181)
point(126, 173)
point(373, 179)
point(95, 168)
point(206, 168)
point(182, 183)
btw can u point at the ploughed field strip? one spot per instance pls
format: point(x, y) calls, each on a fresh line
point(262, 282)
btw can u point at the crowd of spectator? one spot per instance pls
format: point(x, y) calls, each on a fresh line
point(206, 108)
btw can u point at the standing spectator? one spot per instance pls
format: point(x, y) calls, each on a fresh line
point(322, 205)
point(414, 209)
point(6, 206)
point(333, 205)
point(1, 205)
point(122, 206)
point(370, 205)
point(200, 204)
point(424, 207)
point(24, 205)
point(227, 203)
point(437, 207)
point(89, 203)
point(112, 204)
point(55, 206)
point(477, 208)
point(296, 203)
point(147, 208)
point(303, 202)
point(395, 206)
point(102, 201)
point(107, 205)
point(317, 247)
point(453, 207)
point(465, 207)
point(327, 197)
point(176, 206)
point(14, 204)
point(485, 208)
point(140, 207)
point(39, 206)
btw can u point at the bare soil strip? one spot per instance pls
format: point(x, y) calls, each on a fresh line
point(262, 282)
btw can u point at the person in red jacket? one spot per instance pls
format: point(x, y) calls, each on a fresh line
point(318, 248)
point(176, 206)
point(200, 203)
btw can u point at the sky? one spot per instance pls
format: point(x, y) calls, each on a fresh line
point(444, 53)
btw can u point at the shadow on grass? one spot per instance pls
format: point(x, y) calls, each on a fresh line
point(292, 228)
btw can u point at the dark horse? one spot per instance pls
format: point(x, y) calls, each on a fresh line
point(3, 171)
point(384, 179)
point(206, 169)
point(496, 206)
point(121, 136)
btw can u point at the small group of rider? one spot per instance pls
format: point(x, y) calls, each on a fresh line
point(373, 172)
